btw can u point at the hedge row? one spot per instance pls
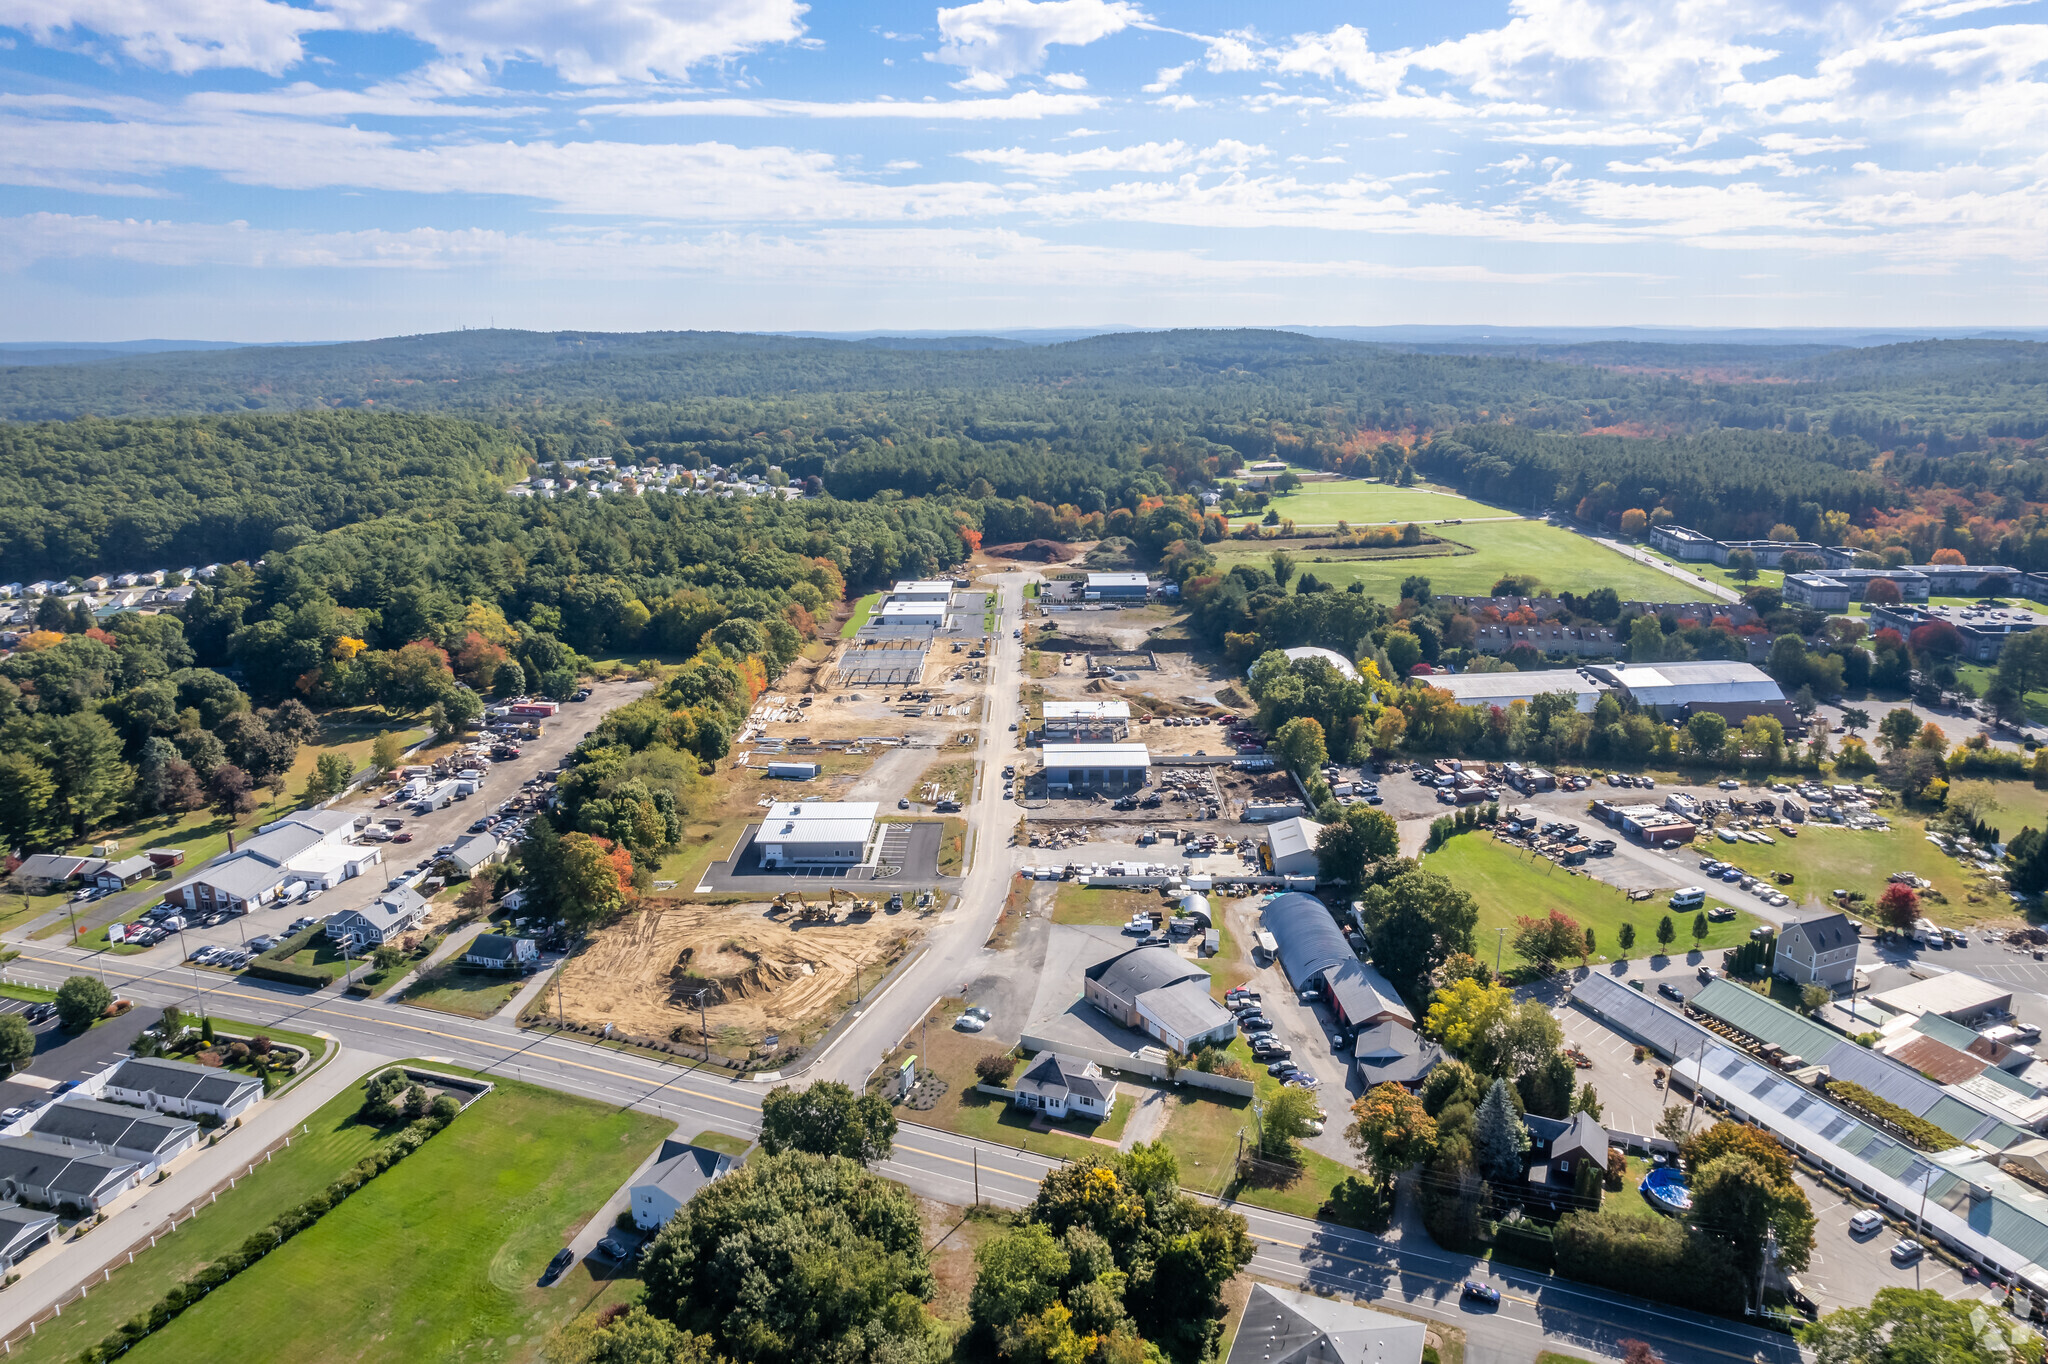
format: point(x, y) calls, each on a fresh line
point(277, 964)
point(1914, 1128)
point(291, 1223)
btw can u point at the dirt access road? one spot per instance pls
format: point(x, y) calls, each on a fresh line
point(952, 944)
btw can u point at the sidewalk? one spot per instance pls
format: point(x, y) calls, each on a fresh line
point(53, 1274)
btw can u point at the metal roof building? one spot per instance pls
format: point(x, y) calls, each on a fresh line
point(1691, 684)
point(1097, 767)
point(1504, 689)
point(817, 833)
point(1952, 994)
point(1315, 955)
point(1972, 1208)
point(1291, 847)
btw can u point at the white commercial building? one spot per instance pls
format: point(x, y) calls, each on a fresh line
point(817, 833)
point(1711, 685)
point(924, 589)
point(1504, 689)
point(1291, 847)
point(928, 613)
point(1113, 768)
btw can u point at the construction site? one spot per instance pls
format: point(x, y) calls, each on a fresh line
point(783, 970)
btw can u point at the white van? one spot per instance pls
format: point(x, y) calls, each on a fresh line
point(1692, 897)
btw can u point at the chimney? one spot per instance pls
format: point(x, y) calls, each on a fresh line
point(231, 840)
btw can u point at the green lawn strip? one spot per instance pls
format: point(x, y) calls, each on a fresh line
point(314, 1047)
point(449, 989)
point(722, 1142)
point(1553, 1357)
point(1716, 573)
point(1305, 1194)
point(1629, 1199)
point(437, 1258)
point(35, 994)
point(1824, 859)
point(294, 1174)
point(1367, 504)
point(862, 609)
point(1201, 1131)
point(1509, 883)
point(1560, 561)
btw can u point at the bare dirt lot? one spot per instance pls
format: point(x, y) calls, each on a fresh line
point(763, 971)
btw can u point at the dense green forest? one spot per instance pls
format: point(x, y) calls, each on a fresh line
point(1012, 436)
point(77, 496)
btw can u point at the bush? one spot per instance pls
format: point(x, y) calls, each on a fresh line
point(1655, 1258)
point(82, 1001)
point(994, 1068)
point(276, 964)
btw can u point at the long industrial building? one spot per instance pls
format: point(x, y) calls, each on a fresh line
point(1111, 769)
point(1504, 689)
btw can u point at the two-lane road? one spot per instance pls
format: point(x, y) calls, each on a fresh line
point(1536, 1312)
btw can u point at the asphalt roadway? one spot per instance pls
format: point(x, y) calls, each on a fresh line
point(1536, 1312)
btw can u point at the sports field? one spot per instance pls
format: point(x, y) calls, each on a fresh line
point(1366, 504)
point(1509, 883)
point(1561, 561)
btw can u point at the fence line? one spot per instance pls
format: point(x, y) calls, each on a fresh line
point(185, 1214)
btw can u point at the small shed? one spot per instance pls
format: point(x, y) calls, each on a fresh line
point(793, 771)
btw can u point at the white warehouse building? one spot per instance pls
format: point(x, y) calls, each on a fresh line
point(1108, 768)
point(1504, 689)
point(924, 589)
point(817, 833)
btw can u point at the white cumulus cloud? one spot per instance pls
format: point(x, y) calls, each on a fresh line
point(996, 40)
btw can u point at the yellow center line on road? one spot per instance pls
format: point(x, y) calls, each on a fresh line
point(360, 1019)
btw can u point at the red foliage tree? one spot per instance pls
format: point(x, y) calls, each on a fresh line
point(1898, 906)
point(1937, 638)
point(1883, 592)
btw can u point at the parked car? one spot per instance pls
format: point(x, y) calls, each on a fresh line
point(969, 1023)
point(976, 1011)
point(1907, 1251)
point(613, 1248)
point(1865, 1222)
point(1669, 991)
point(563, 1259)
point(1279, 1069)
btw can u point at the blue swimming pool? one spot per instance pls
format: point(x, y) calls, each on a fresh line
point(1666, 1188)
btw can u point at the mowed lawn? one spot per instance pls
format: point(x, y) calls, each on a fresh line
point(1509, 883)
point(1368, 504)
point(437, 1258)
point(1560, 560)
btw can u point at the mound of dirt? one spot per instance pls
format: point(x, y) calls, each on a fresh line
point(1037, 551)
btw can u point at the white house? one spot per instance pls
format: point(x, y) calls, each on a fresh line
point(384, 918)
point(1063, 1086)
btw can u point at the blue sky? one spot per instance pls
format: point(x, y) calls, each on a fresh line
point(256, 170)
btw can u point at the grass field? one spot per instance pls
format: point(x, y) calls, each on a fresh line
point(1977, 678)
point(451, 990)
point(1824, 859)
point(1560, 560)
point(1715, 573)
point(434, 1260)
point(1366, 504)
point(1509, 883)
point(862, 609)
point(1104, 907)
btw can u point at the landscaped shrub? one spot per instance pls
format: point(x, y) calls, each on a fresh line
point(995, 1068)
point(276, 964)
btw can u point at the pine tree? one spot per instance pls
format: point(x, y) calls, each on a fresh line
point(1498, 1138)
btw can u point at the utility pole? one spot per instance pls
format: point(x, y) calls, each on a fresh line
point(561, 1018)
point(977, 1176)
point(703, 1026)
point(1497, 944)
